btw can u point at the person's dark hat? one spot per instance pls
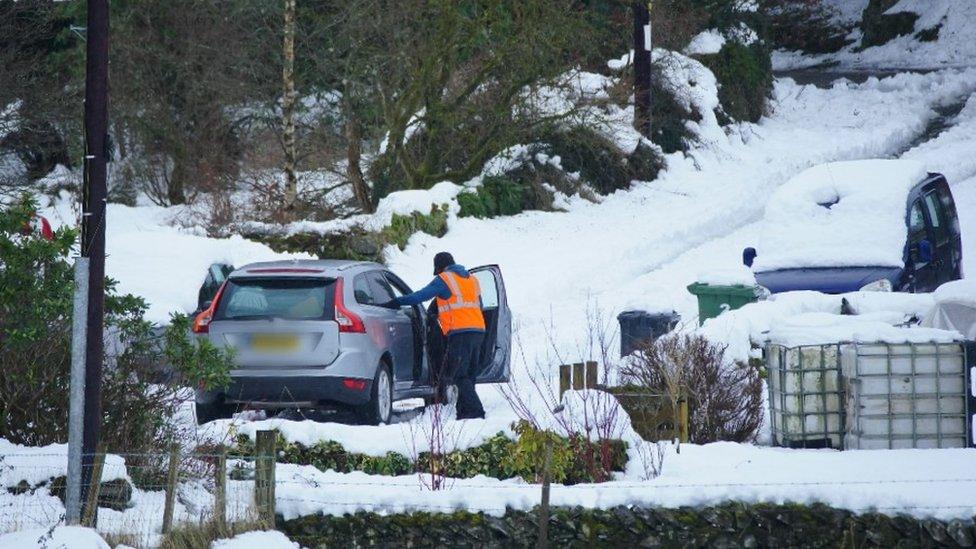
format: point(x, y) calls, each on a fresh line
point(442, 261)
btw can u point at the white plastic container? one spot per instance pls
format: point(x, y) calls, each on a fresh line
point(907, 395)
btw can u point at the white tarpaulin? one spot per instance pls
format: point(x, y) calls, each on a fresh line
point(955, 308)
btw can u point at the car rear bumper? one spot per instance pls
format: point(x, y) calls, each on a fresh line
point(287, 392)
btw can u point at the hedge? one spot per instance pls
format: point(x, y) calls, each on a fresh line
point(726, 525)
point(498, 457)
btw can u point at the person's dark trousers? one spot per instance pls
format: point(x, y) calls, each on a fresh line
point(462, 357)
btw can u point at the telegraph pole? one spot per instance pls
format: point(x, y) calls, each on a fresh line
point(642, 67)
point(93, 226)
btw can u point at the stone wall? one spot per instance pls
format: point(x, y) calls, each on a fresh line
point(726, 525)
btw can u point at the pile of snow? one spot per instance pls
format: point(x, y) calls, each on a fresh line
point(826, 328)
point(256, 540)
point(955, 308)
point(841, 214)
point(741, 329)
point(705, 43)
point(60, 537)
point(36, 464)
point(733, 275)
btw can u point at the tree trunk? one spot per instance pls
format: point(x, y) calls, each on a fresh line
point(288, 109)
point(353, 155)
point(176, 186)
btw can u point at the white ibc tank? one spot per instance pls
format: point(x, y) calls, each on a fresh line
point(806, 401)
point(909, 395)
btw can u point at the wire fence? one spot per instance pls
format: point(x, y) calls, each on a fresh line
point(143, 497)
point(140, 497)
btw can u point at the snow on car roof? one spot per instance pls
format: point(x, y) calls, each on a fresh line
point(840, 214)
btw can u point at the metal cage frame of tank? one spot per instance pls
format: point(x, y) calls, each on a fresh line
point(779, 384)
point(943, 416)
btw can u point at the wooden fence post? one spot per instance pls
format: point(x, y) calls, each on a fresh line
point(264, 476)
point(578, 376)
point(543, 541)
point(592, 374)
point(91, 506)
point(564, 379)
point(171, 478)
point(220, 490)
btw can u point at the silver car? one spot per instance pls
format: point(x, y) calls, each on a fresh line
point(311, 334)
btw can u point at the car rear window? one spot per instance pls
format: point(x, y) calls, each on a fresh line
point(278, 297)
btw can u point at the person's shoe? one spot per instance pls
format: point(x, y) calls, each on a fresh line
point(471, 416)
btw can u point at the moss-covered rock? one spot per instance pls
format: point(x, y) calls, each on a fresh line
point(726, 525)
point(113, 494)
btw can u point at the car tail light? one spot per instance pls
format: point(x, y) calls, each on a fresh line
point(349, 322)
point(354, 384)
point(201, 324)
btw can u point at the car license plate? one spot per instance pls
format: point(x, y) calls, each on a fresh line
point(274, 342)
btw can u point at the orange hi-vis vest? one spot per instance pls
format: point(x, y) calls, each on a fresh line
point(461, 311)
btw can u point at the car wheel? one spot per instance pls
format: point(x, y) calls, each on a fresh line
point(211, 411)
point(380, 407)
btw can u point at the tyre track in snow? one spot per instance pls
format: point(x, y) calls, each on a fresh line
point(684, 269)
point(618, 251)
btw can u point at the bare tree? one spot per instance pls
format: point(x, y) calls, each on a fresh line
point(288, 107)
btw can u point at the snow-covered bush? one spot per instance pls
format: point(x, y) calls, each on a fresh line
point(725, 401)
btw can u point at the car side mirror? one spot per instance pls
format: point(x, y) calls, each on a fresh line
point(748, 256)
point(924, 251)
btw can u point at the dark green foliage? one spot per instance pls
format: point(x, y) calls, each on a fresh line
point(498, 195)
point(401, 227)
point(929, 35)
point(498, 457)
point(199, 362)
point(669, 118)
point(804, 25)
point(598, 161)
point(745, 78)
point(730, 524)
point(36, 286)
point(879, 28)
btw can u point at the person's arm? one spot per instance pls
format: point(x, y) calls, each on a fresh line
point(436, 288)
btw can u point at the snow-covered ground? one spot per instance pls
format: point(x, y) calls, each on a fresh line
point(634, 249)
point(922, 482)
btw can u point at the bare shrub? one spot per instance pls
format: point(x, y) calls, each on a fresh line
point(724, 400)
point(441, 435)
point(590, 419)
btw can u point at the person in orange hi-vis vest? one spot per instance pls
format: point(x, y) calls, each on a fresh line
point(458, 299)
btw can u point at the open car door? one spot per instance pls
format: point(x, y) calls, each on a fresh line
point(496, 352)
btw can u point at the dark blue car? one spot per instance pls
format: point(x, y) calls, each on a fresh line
point(932, 252)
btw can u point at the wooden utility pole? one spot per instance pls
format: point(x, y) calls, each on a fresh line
point(93, 226)
point(288, 108)
point(642, 67)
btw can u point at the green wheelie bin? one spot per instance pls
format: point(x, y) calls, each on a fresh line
point(713, 299)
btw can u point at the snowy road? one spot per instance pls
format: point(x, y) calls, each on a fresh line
point(641, 248)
